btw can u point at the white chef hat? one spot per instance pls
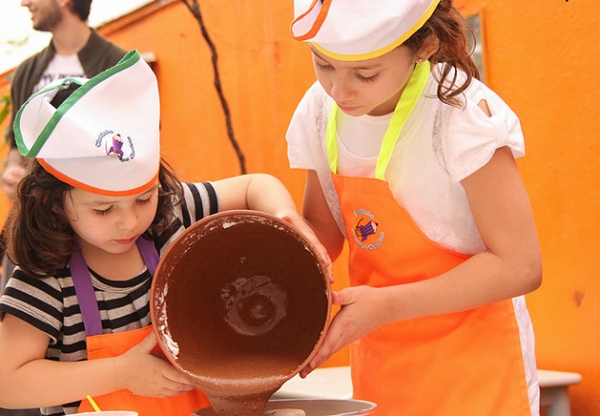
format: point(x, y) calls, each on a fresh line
point(352, 30)
point(104, 138)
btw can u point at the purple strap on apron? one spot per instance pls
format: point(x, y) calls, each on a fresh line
point(85, 290)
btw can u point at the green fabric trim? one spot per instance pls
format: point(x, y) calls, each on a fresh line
point(37, 145)
point(128, 60)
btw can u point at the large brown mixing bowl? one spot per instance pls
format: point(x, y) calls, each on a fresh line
point(240, 302)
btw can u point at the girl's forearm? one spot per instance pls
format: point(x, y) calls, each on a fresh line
point(260, 192)
point(268, 194)
point(483, 279)
point(44, 383)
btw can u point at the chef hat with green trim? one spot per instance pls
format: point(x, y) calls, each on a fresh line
point(352, 30)
point(104, 137)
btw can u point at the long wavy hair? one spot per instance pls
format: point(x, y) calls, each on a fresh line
point(448, 25)
point(39, 237)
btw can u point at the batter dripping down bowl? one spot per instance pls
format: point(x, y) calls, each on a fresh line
point(240, 303)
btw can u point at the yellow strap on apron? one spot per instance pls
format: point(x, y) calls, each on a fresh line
point(406, 103)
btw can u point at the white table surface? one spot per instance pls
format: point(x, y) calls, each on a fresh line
point(335, 382)
point(554, 391)
point(322, 383)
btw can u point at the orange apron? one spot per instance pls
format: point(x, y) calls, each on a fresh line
point(111, 345)
point(466, 363)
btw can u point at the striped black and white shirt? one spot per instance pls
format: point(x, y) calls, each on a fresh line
point(50, 304)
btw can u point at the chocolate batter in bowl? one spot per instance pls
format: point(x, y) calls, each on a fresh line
point(240, 303)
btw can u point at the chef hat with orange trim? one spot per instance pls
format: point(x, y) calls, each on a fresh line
point(104, 137)
point(353, 30)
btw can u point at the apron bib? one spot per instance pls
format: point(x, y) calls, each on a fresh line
point(111, 345)
point(466, 363)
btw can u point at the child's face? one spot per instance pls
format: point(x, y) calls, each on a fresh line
point(110, 223)
point(372, 86)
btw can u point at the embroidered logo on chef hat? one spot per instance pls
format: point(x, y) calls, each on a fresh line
point(353, 30)
point(104, 137)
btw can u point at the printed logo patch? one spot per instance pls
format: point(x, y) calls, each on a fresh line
point(114, 145)
point(366, 231)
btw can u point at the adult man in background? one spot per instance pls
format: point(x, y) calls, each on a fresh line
point(76, 50)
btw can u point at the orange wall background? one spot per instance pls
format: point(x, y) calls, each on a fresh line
point(537, 55)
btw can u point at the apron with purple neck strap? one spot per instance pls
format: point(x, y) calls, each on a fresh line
point(111, 345)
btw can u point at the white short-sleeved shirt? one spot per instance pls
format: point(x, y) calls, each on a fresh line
point(439, 146)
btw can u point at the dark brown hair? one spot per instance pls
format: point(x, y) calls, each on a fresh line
point(81, 8)
point(39, 237)
point(448, 25)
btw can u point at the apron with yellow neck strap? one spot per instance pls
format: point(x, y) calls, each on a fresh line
point(467, 363)
point(111, 345)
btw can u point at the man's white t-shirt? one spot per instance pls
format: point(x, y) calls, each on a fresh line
point(60, 67)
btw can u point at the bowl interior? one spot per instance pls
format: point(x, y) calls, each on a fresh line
point(241, 301)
